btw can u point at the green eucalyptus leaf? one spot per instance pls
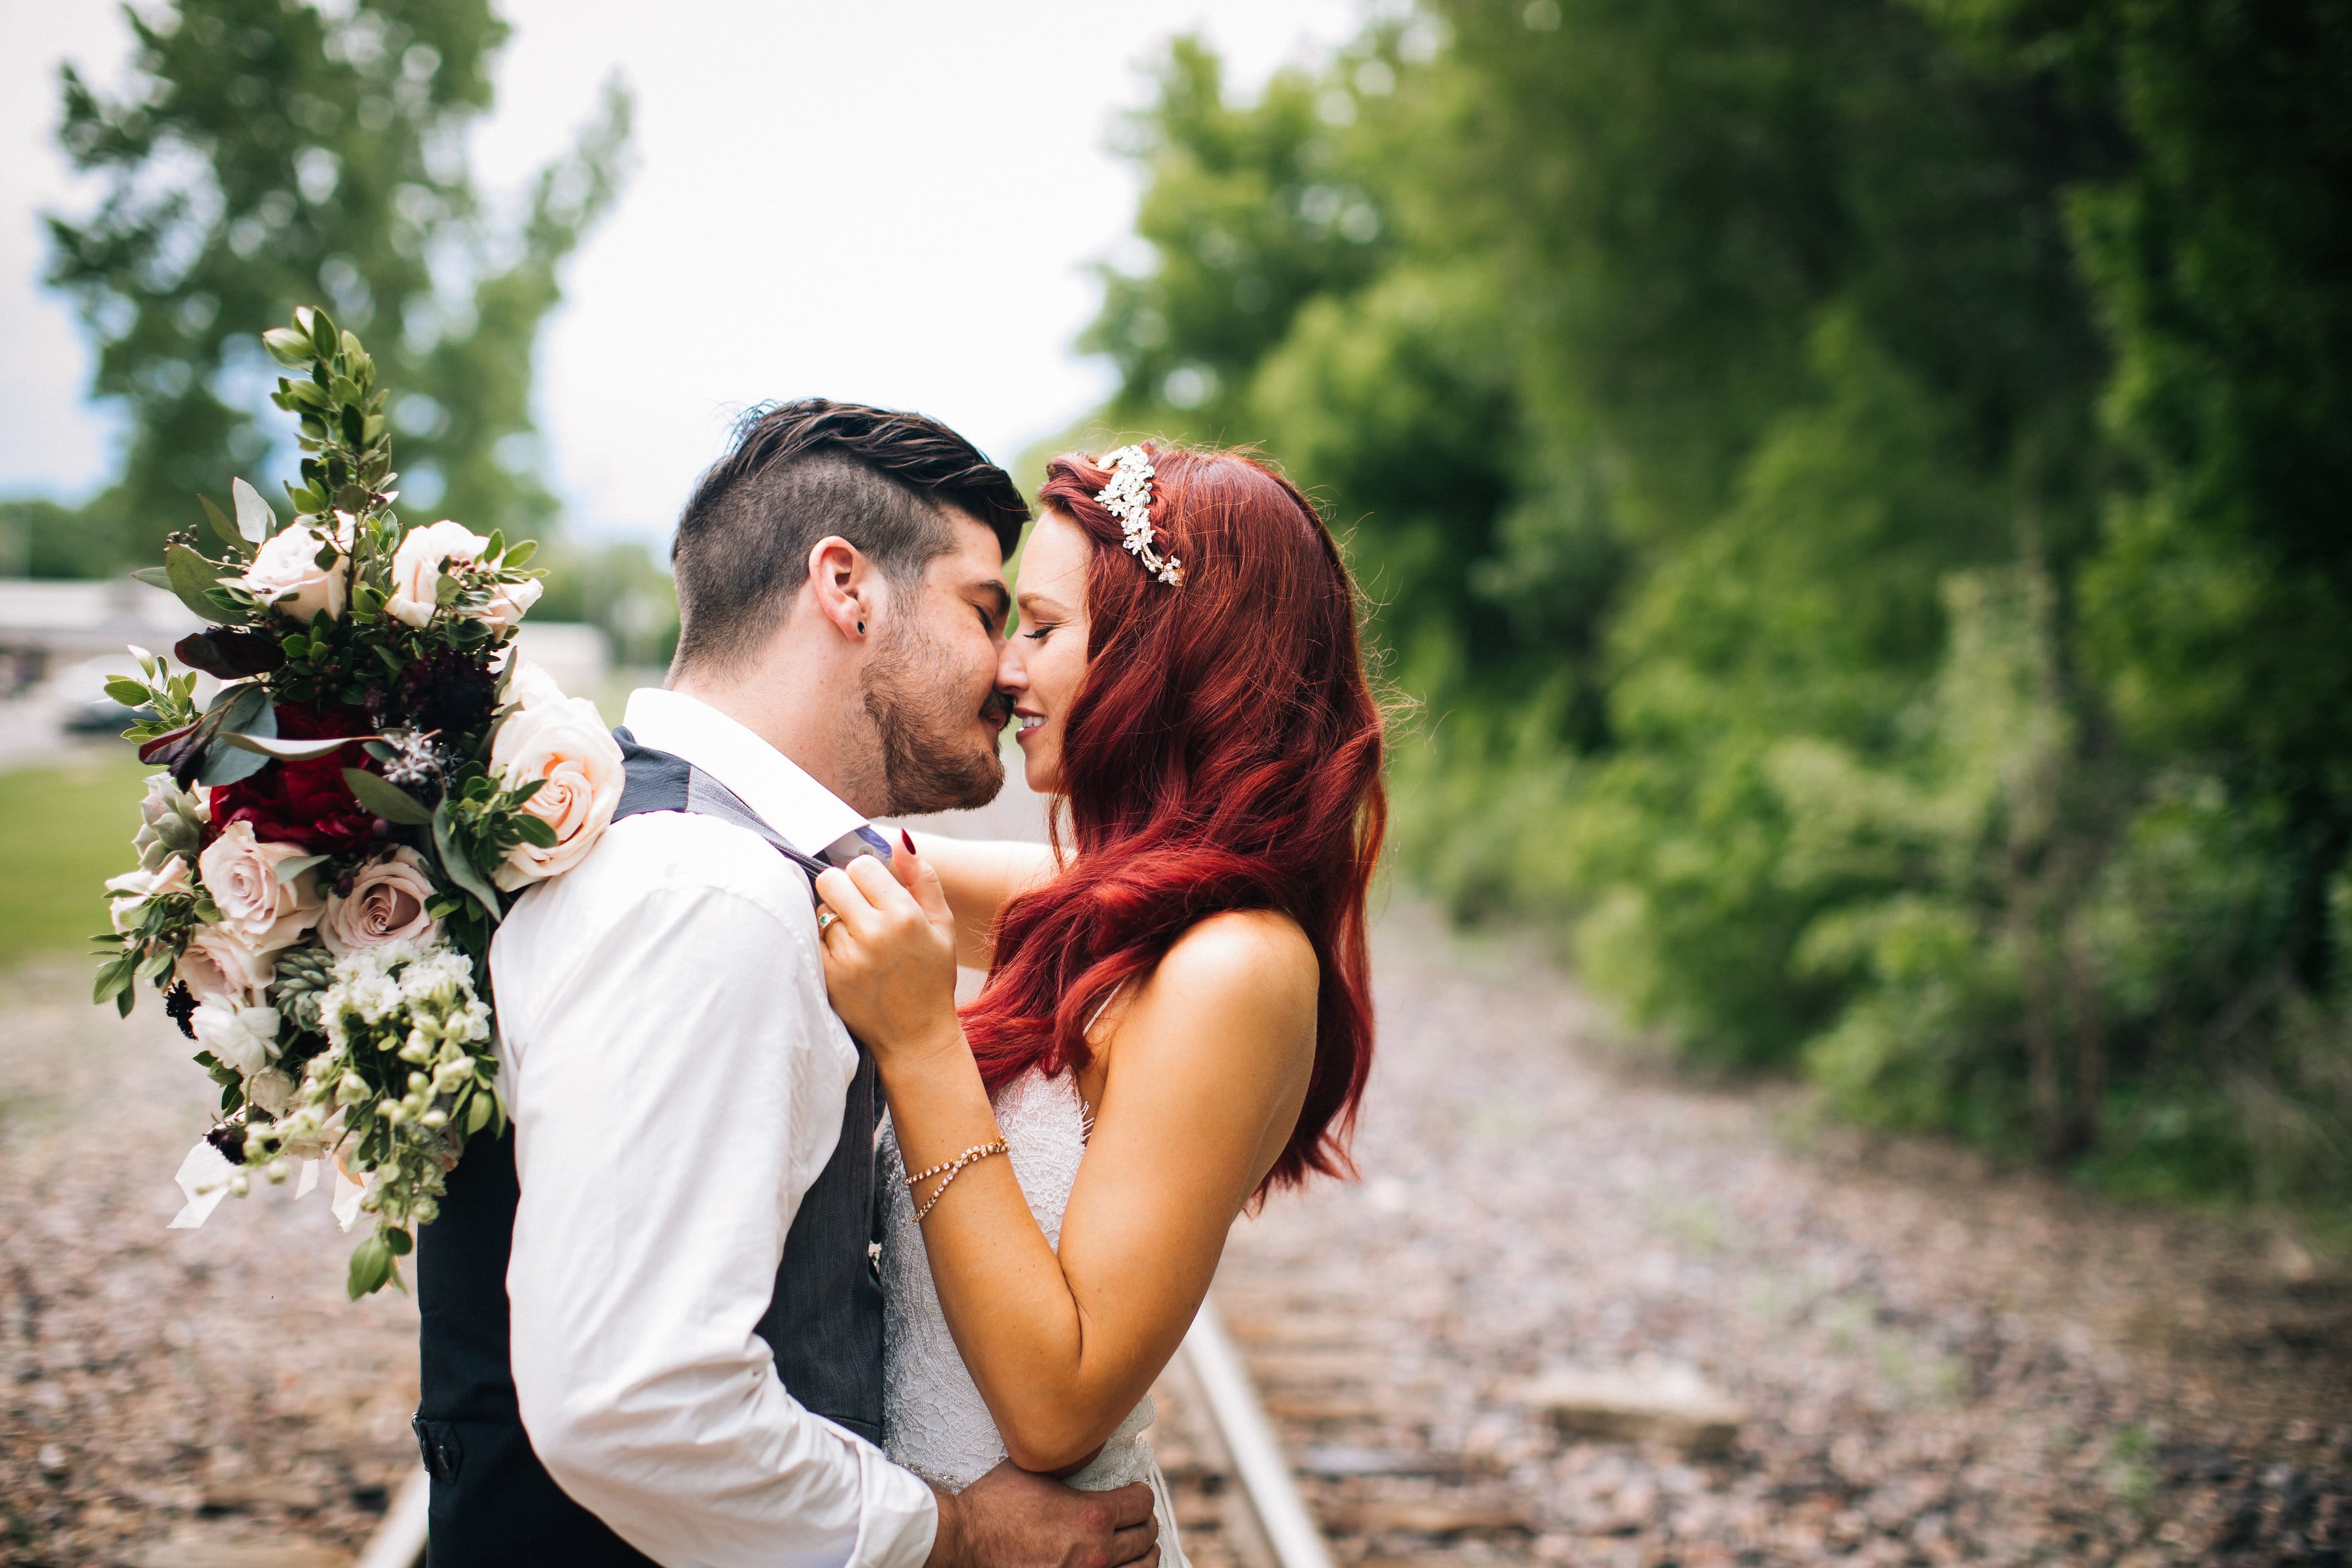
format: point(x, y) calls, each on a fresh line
point(386, 799)
point(522, 554)
point(288, 869)
point(193, 579)
point(155, 577)
point(534, 830)
point(293, 750)
point(246, 706)
point(255, 520)
point(228, 764)
point(457, 866)
point(222, 527)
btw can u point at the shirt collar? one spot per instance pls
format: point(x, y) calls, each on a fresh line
point(808, 814)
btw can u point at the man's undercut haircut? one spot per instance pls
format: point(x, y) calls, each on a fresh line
point(798, 472)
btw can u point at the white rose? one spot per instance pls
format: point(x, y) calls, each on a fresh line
point(418, 566)
point(242, 875)
point(242, 1037)
point(386, 903)
point(510, 602)
point(219, 965)
point(272, 1090)
point(133, 888)
point(562, 739)
point(287, 565)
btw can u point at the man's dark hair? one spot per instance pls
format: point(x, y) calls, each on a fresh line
point(798, 472)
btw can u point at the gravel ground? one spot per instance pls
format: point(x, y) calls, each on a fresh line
point(174, 1399)
point(1939, 1363)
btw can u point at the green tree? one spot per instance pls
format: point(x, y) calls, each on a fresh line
point(2222, 259)
point(1857, 490)
point(267, 154)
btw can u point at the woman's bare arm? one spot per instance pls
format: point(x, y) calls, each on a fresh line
point(1201, 1076)
point(978, 875)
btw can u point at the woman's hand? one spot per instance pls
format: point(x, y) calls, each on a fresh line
point(890, 953)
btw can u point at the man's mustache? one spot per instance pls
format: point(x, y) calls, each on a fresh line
point(997, 712)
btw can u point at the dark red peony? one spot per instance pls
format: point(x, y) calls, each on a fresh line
point(302, 803)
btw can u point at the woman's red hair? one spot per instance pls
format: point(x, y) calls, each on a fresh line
point(1223, 752)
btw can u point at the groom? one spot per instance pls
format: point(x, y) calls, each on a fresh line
point(651, 1326)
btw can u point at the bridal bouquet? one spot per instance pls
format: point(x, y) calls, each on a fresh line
point(328, 848)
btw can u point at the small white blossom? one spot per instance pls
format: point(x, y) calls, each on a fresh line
point(238, 1036)
point(272, 1090)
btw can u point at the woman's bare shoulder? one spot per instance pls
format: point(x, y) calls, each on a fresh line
point(1258, 957)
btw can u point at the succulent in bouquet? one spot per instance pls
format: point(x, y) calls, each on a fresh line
point(333, 836)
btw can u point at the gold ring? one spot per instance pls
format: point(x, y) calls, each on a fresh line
point(824, 920)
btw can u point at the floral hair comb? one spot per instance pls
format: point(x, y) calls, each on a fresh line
point(1128, 498)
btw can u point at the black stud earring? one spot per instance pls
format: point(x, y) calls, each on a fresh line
point(861, 628)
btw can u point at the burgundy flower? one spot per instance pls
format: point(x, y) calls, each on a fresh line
point(451, 692)
point(302, 803)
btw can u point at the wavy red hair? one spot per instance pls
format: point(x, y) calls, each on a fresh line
point(1223, 752)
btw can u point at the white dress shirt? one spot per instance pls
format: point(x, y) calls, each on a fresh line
point(676, 1083)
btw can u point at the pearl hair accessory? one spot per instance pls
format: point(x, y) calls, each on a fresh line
point(1128, 498)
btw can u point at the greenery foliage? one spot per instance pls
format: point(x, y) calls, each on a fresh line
point(1856, 488)
point(267, 155)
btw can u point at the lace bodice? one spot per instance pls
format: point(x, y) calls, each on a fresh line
point(933, 1420)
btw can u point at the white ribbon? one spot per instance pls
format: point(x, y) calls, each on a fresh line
point(204, 1176)
point(348, 1194)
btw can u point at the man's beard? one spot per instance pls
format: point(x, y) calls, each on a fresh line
point(927, 762)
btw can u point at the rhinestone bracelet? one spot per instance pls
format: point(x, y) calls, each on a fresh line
point(951, 1170)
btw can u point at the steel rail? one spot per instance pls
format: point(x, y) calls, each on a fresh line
point(399, 1538)
point(1290, 1530)
point(1225, 1388)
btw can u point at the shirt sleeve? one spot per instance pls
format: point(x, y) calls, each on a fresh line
point(680, 1087)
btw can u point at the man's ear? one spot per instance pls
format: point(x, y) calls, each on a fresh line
point(848, 589)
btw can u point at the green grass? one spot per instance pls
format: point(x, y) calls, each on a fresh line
point(63, 830)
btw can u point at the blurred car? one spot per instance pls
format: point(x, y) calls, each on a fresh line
point(77, 693)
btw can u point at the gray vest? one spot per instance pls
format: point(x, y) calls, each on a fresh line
point(492, 1501)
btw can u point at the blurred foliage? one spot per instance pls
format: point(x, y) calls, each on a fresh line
point(1855, 489)
point(620, 587)
point(269, 153)
point(55, 877)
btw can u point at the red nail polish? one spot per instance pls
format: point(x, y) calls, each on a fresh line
point(907, 839)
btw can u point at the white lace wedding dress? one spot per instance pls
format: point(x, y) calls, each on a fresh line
point(933, 1420)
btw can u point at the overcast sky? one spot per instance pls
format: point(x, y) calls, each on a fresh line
point(894, 204)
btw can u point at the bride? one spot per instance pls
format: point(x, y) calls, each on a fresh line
point(1177, 1018)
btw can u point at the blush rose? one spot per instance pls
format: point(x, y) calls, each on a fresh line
point(241, 873)
point(286, 574)
point(386, 903)
point(420, 561)
point(219, 965)
point(562, 741)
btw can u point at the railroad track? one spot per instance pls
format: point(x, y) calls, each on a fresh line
point(1237, 1504)
point(1295, 1436)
